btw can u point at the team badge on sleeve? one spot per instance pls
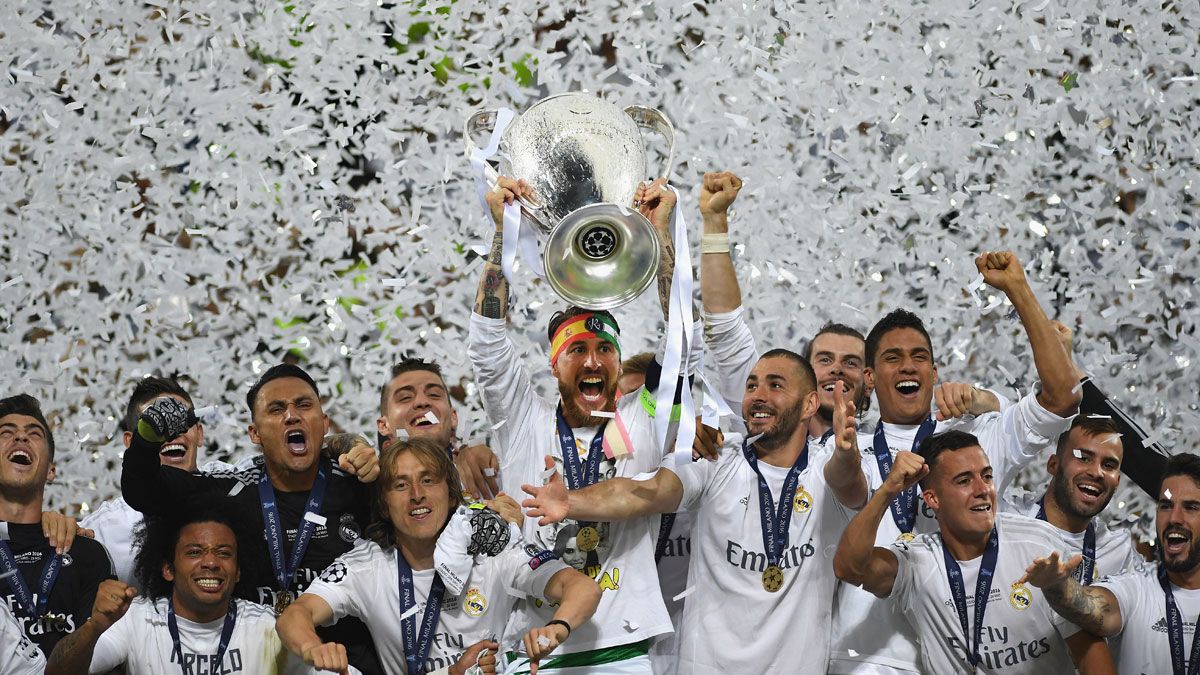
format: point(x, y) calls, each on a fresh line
point(1020, 597)
point(335, 573)
point(538, 556)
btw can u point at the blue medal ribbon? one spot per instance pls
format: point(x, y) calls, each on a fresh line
point(904, 506)
point(416, 646)
point(776, 521)
point(34, 605)
point(1086, 571)
point(274, 528)
point(983, 588)
point(222, 645)
point(825, 436)
point(578, 474)
point(1175, 631)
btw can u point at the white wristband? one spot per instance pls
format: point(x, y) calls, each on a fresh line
point(714, 243)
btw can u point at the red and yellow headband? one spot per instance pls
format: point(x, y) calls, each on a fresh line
point(583, 327)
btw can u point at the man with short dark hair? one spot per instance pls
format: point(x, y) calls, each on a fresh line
point(115, 521)
point(1150, 612)
point(189, 563)
point(1085, 470)
point(871, 635)
point(310, 509)
point(49, 591)
point(975, 553)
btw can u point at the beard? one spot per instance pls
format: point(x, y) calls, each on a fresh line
point(574, 413)
point(1188, 564)
point(1064, 496)
point(786, 421)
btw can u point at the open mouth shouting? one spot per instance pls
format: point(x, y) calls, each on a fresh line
point(1176, 541)
point(591, 389)
point(908, 389)
point(20, 457)
point(296, 444)
point(1089, 492)
point(173, 452)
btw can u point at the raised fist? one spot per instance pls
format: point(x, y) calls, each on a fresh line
point(164, 419)
point(718, 191)
point(1001, 270)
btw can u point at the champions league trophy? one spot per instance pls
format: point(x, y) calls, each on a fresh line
point(584, 158)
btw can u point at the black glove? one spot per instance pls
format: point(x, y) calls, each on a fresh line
point(489, 533)
point(165, 419)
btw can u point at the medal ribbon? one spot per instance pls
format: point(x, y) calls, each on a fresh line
point(776, 522)
point(983, 588)
point(274, 528)
point(1087, 569)
point(904, 506)
point(35, 606)
point(416, 646)
point(578, 474)
point(226, 635)
point(1175, 631)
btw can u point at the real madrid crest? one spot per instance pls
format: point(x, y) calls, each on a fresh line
point(803, 500)
point(475, 603)
point(906, 537)
point(594, 324)
point(1020, 597)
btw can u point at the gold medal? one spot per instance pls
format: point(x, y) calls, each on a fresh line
point(906, 537)
point(587, 539)
point(772, 578)
point(282, 600)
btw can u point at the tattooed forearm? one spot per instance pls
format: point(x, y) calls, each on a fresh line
point(491, 300)
point(1092, 609)
point(73, 653)
point(666, 268)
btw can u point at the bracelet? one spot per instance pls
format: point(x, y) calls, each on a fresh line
point(714, 243)
point(560, 622)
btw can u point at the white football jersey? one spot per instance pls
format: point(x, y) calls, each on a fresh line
point(365, 583)
point(870, 630)
point(1021, 634)
point(1143, 645)
point(730, 622)
point(142, 643)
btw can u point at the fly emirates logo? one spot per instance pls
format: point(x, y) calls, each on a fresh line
point(996, 651)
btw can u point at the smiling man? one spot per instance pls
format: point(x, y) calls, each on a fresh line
point(309, 509)
point(1151, 612)
point(579, 431)
point(871, 636)
point(1085, 471)
point(50, 593)
point(188, 621)
point(974, 554)
point(115, 521)
point(391, 582)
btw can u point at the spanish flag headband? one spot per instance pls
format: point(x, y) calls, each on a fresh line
point(583, 327)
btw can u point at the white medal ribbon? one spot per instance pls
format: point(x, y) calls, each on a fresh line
point(679, 330)
point(516, 233)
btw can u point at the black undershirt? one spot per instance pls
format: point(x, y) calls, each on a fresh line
point(83, 568)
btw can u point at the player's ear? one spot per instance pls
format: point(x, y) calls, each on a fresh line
point(168, 572)
point(930, 498)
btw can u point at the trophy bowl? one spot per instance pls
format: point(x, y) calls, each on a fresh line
point(584, 158)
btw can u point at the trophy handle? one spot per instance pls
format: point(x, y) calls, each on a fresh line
point(485, 120)
point(654, 120)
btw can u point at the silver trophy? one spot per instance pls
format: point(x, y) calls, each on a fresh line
point(584, 158)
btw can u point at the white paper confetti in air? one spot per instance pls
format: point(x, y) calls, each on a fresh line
point(431, 417)
point(684, 593)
